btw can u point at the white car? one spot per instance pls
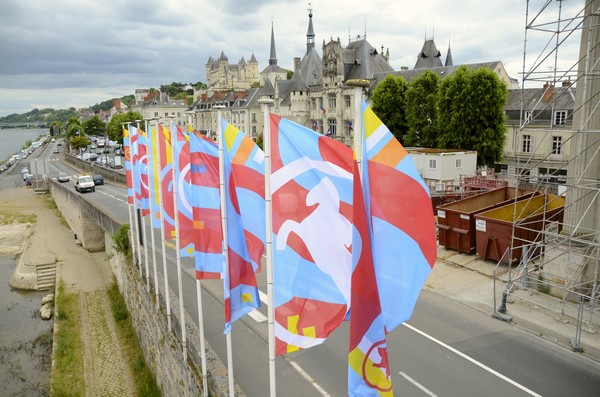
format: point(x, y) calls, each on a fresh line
point(84, 183)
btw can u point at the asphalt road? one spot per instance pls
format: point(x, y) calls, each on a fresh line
point(446, 349)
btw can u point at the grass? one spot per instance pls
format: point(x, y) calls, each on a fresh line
point(8, 217)
point(67, 373)
point(145, 383)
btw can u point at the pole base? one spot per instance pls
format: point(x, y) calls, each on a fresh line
point(502, 317)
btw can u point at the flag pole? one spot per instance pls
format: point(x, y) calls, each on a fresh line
point(265, 103)
point(359, 85)
point(153, 196)
point(131, 224)
point(162, 234)
point(136, 212)
point(177, 241)
point(225, 239)
point(145, 233)
point(200, 312)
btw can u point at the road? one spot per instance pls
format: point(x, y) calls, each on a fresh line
point(446, 349)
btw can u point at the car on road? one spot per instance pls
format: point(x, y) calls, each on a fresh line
point(98, 179)
point(55, 151)
point(24, 170)
point(84, 183)
point(62, 177)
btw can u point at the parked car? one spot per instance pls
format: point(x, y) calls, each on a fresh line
point(98, 179)
point(62, 177)
point(84, 183)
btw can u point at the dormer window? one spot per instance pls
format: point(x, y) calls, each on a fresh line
point(560, 117)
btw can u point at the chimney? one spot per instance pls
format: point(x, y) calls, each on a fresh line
point(296, 64)
point(548, 91)
point(567, 83)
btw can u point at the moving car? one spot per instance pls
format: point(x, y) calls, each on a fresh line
point(84, 183)
point(55, 151)
point(98, 179)
point(62, 177)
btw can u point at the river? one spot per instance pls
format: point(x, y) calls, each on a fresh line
point(13, 139)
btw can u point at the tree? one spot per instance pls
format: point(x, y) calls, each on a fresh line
point(421, 110)
point(79, 142)
point(471, 113)
point(114, 128)
point(55, 128)
point(94, 126)
point(390, 106)
point(73, 128)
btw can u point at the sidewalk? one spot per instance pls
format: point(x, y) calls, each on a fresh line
point(469, 280)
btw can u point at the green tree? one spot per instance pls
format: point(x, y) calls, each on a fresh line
point(471, 113)
point(390, 106)
point(114, 128)
point(94, 126)
point(74, 127)
point(79, 142)
point(55, 128)
point(421, 110)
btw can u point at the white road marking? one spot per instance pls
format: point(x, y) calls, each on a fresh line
point(257, 316)
point(417, 384)
point(472, 360)
point(309, 379)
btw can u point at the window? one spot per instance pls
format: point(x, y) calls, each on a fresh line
point(332, 101)
point(528, 116)
point(331, 127)
point(433, 164)
point(313, 103)
point(155, 114)
point(556, 144)
point(347, 102)
point(458, 163)
point(348, 125)
point(253, 130)
point(526, 143)
point(560, 116)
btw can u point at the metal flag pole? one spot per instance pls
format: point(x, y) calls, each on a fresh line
point(153, 197)
point(136, 210)
point(358, 85)
point(145, 232)
point(129, 205)
point(265, 103)
point(162, 234)
point(222, 193)
point(177, 242)
point(200, 313)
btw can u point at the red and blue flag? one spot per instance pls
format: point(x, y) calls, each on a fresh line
point(183, 178)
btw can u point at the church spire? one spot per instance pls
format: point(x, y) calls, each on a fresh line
point(449, 61)
point(310, 34)
point(273, 56)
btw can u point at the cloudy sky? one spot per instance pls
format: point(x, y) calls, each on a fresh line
point(76, 53)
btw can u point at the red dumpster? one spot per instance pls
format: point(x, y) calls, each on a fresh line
point(530, 217)
point(456, 222)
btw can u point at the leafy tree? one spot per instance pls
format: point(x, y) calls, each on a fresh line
point(79, 142)
point(94, 126)
point(390, 106)
point(259, 141)
point(421, 110)
point(74, 127)
point(114, 128)
point(55, 128)
point(471, 113)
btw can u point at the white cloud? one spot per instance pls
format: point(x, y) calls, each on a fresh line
point(64, 53)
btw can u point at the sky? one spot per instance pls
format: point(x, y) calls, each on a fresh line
point(77, 53)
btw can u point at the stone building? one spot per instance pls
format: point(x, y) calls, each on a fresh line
point(220, 75)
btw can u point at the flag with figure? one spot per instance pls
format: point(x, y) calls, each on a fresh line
point(166, 181)
point(183, 178)
point(141, 173)
point(311, 187)
point(401, 216)
point(153, 177)
point(244, 177)
point(206, 207)
point(368, 367)
point(128, 170)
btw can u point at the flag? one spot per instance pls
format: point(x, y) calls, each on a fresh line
point(402, 221)
point(166, 181)
point(368, 367)
point(245, 215)
point(315, 125)
point(323, 109)
point(140, 164)
point(206, 207)
point(311, 187)
point(128, 170)
point(350, 126)
point(153, 178)
point(185, 216)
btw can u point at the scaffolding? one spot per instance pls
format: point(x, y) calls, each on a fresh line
point(563, 260)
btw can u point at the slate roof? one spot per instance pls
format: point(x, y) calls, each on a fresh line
point(362, 61)
point(429, 57)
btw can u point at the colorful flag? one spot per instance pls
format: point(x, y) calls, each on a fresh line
point(245, 214)
point(402, 221)
point(368, 366)
point(153, 178)
point(128, 170)
point(166, 181)
point(206, 206)
point(311, 186)
point(183, 178)
point(141, 172)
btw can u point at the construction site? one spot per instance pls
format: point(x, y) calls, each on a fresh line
point(540, 219)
